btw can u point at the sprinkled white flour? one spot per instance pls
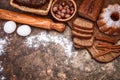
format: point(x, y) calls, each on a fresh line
point(3, 44)
point(2, 77)
point(44, 39)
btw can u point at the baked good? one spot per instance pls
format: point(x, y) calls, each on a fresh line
point(83, 42)
point(31, 3)
point(82, 30)
point(78, 46)
point(104, 54)
point(83, 24)
point(109, 20)
point(81, 35)
point(104, 48)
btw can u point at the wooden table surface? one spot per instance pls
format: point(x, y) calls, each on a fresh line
point(50, 60)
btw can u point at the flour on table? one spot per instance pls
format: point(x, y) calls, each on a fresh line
point(44, 39)
point(3, 44)
point(1, 70)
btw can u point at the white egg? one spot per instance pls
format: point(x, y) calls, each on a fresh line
point(24, 30)
point(9, 27)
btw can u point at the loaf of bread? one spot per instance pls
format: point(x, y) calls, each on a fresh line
point(83, 24)
point(82, 30)
point(82, 33)
point(83, 42)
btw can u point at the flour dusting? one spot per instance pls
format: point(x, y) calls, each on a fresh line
point(44, 39)
point(3, 44)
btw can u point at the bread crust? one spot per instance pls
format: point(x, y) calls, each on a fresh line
point(83, 24)
point(82, 30)
point(81, 35)
point(83, 42)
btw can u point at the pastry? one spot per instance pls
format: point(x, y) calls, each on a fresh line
point(104, 48)
point(109, 20)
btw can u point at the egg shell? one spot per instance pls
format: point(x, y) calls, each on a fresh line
point(24, 30)
point(9, 27)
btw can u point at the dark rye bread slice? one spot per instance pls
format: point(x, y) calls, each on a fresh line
point(81, 35)
point(83, 42)
point(83, 24)
point(78, 46)
point(82, 30)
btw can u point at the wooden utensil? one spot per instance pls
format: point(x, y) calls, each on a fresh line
point(31, 20)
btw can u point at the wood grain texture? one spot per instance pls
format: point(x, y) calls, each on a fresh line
point(90, 9)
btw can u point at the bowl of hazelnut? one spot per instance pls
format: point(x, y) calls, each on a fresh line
point(63, 10)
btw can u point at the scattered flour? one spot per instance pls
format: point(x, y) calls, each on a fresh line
point(3, 44)
point(2, 77)
point(44, 39)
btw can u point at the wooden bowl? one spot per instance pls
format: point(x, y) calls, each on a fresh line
point(63, 20)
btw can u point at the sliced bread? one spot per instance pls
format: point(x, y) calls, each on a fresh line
point(81, 35)
point(83, 24)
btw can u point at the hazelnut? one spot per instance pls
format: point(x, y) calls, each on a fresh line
point(62, 15)
point(58, 16)
point(55, 9)
point(59, 12)
point(63, 11)
point(68, 11)
point(67, 16)
point(70, 3)
point(63, 3)
point(60, 7)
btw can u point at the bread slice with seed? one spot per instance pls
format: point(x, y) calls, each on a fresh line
point(83, 24)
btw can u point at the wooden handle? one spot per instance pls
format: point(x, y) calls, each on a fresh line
point(31, 20)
